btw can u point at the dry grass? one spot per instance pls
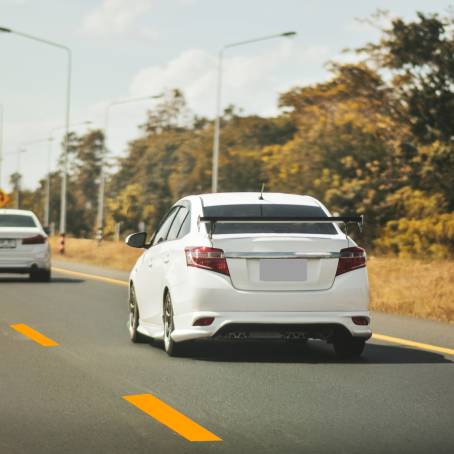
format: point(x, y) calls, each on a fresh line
point(109, 254)
point(423, 289)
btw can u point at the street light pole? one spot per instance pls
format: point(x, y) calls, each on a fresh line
point(101, 188)
point(217, 122)
point(67, 116)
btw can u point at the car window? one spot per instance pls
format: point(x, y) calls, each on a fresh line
point(177, 223)
point(161, 235)
point(186, 226)
point(16, 220)
point(271, 210)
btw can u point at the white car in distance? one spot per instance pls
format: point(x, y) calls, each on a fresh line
point(24, 247)
point(250, 266)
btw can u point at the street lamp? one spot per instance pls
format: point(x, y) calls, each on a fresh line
point(68, 105)
point(217, 123)
point(100, 214)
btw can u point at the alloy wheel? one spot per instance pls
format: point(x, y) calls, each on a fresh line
point(132, 309)
point(168, 321)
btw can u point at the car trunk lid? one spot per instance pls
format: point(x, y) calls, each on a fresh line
point(281, 262)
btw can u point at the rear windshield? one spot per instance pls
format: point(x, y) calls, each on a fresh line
point(265, 210)
point(16, 220)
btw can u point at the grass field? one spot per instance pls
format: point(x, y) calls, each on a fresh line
point(420, 288)
point(110, 254)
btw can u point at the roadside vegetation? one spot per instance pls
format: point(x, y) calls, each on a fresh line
point(110, 254)
point(376, 138)
point(421, 288)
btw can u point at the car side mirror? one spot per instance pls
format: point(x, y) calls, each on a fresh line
point(46, 230)
point(137, 240)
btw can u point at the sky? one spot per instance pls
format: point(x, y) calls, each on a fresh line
point(135, 48)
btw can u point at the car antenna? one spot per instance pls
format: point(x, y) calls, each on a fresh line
point(261, 192)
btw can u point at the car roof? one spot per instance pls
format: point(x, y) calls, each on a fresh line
point(244, 198)
point(17, 212)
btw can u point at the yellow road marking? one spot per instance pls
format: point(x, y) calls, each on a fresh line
point(39, 338)
point(379, 337)
point(93, 277)
point(410, 343)
point(171, 418)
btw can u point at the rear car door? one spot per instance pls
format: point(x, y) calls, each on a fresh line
point(149, 279)
point(176, 259)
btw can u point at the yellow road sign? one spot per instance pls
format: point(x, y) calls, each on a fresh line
point(4, 199)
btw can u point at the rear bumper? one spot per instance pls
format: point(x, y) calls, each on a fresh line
point(208, 294)
point(23, 265)
point(271, 322)
point(15, 270)
point(212, 292)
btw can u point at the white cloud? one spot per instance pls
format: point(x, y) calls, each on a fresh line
point(115, 17)
point(251, 82)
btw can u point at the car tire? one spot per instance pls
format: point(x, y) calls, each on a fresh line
point(171, 347)
point(135, 336)
point(347, 346)
point(40, 275)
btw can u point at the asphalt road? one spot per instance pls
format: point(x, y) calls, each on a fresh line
point(257, 398)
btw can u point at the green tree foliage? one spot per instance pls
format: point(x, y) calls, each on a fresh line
point(420, 56)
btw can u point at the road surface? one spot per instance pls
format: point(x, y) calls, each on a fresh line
point(90, 390)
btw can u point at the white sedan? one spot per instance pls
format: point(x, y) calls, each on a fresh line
point(246, 266)
point(24, 246)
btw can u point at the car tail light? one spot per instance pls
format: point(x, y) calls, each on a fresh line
point(38, 239)
point(205, 321)
point(208, 258)
point(351, 258)
point(358, 320)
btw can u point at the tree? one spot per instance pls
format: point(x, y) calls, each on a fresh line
point(420, 56)
point(85, 178)
point(376, 138)
point(346, 151)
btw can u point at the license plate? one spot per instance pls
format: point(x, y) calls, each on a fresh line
point(7, 244)
point(283, 270)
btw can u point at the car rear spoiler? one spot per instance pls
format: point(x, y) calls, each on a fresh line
point(213, 220)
